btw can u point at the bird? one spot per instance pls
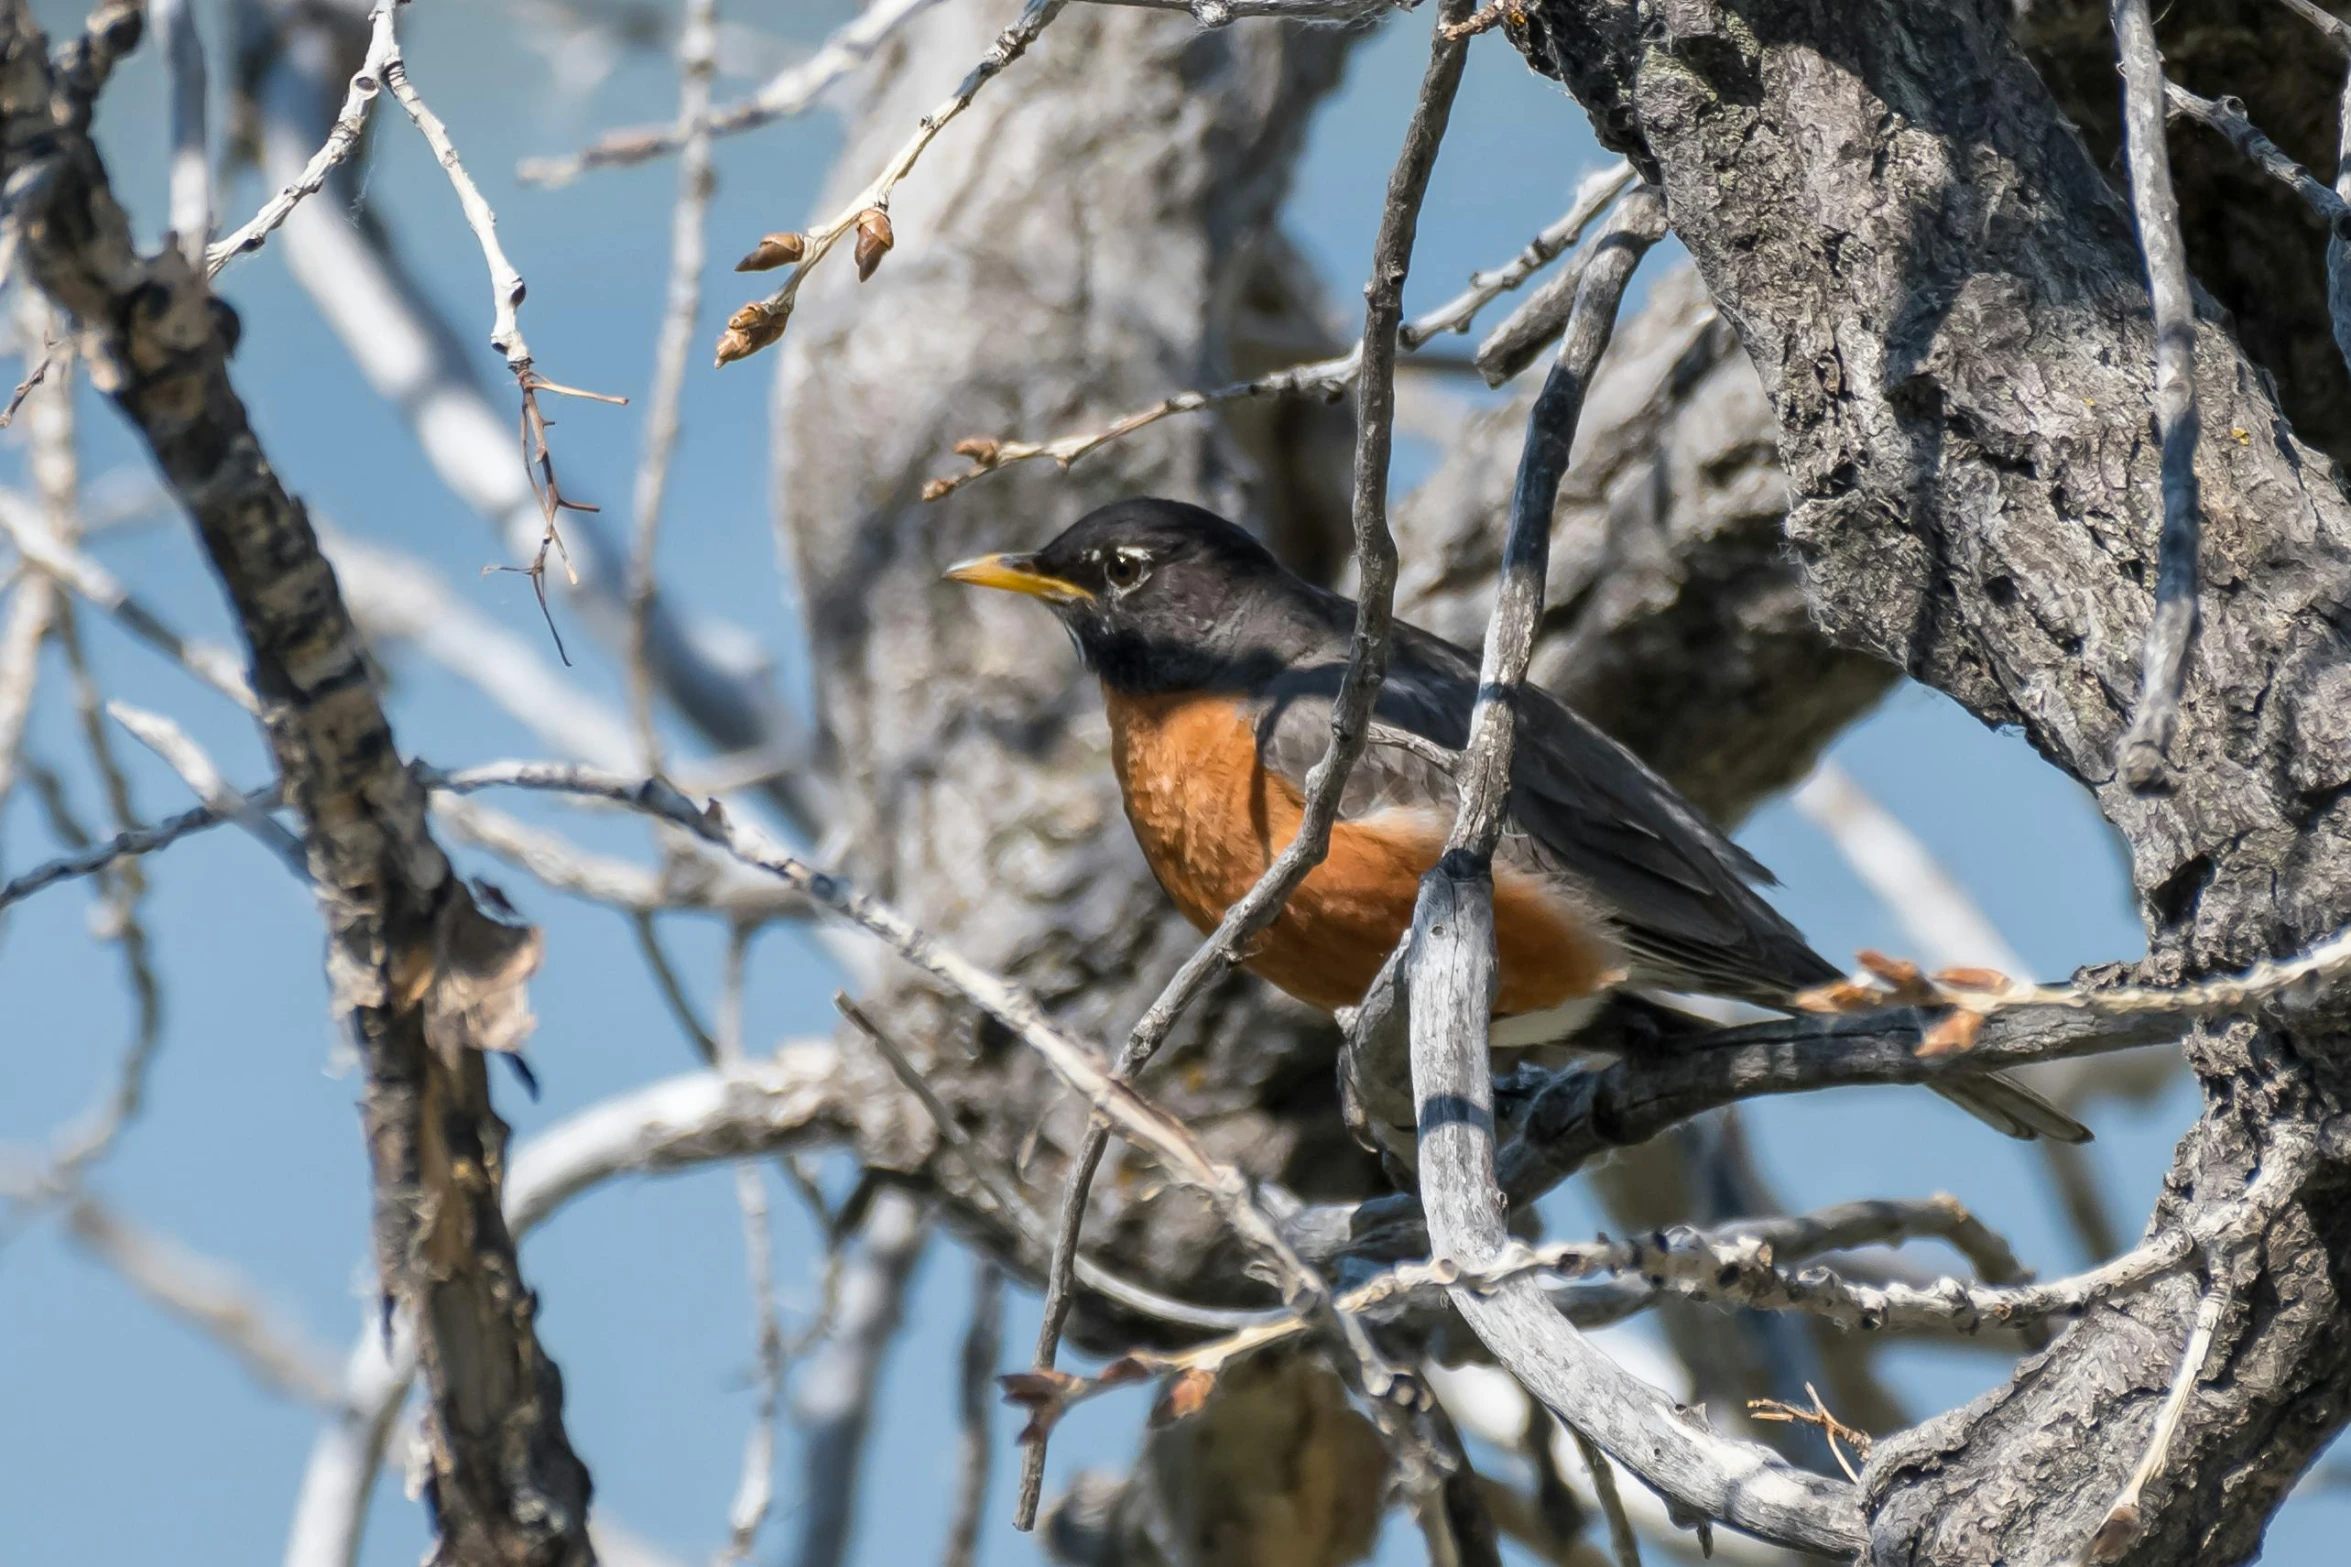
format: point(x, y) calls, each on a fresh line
point(1219, 668)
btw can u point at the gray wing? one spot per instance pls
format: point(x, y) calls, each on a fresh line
point(1583, 812)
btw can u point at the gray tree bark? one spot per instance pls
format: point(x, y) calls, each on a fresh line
point(1941, 293)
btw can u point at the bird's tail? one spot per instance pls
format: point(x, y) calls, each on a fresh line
point(2008, 1107)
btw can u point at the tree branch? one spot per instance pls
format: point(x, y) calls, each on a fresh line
point(426, 979)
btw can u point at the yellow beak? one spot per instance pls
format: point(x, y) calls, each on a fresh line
point(1017, 574)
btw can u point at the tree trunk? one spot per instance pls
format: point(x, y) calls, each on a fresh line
point(1942, 295)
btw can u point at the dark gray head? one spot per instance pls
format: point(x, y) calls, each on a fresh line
point(1157, 594)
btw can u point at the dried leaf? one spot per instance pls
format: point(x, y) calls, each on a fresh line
point(1987, 981)
point(1183, 1397)
point(773, 251)
point(874, 239)
point(473, 983)
point(1955, 1032)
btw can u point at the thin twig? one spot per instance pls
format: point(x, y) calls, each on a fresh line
point(506, 336)
point(791, 91)
point(673, 991)
point(1592, 197)
point(762, 321)
point(1367, 665)
point(185, 757)
point(697, 64)
point(2227, 118)
point(1327, 379)
point(1625, 1545)
point(1950, 929)
point(1002, 1188)
point(2118, 1530)
point(1838, 1434)
point(144, 840)
point(834, 1399)
point(341, 141)
point(56, 468)
point(2337, 30)
point(983, 1346)
point(755, 1489)
point(209, 1295)
point(2163, 671)
point(191, 167)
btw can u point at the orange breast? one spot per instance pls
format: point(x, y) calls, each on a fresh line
point(1210, 819)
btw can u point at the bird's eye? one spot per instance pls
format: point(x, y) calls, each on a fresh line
point(1123, 571)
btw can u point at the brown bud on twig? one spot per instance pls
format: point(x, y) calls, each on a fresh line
point(980, 450)
point(1954, 1033)
point(774, 251)
point(751, 329)
point(874, 240)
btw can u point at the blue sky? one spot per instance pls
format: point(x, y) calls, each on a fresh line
point(128, 1437)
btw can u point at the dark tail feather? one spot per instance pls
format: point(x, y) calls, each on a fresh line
point(2008, 1107)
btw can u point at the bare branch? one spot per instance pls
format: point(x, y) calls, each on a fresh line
point(427, 979)
point(1327, 379)
point(691, 880)
point(1322, 378)
point(755, 1489)
point(1592, 198)
point(794, 1097)
point(211, 1297)
point(190, 164)
point(143, 840)
point(834, 1400)
point(342, 140)
point(1451, 974)
point(185, 757)
point(2172, 629)
point(762, 321)
point(1004, 1190)
point(983, 1347)
point(2338, 32)
point(1621, 1540)
point(506, 285)
point(1367, 662)
point(216, 666)
point(792, 91)
point(710, 671)
point(2118, 1530)
point(697, 63)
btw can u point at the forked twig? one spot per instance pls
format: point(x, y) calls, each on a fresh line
point(761, 322)
point(1839, 1435)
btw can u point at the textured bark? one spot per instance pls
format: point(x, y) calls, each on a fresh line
point(1942, 297)
point(427, 979)
point(2250, 241)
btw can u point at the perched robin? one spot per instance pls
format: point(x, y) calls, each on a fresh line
point(1219, 668)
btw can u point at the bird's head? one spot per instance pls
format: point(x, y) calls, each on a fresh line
point(1155, 593)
